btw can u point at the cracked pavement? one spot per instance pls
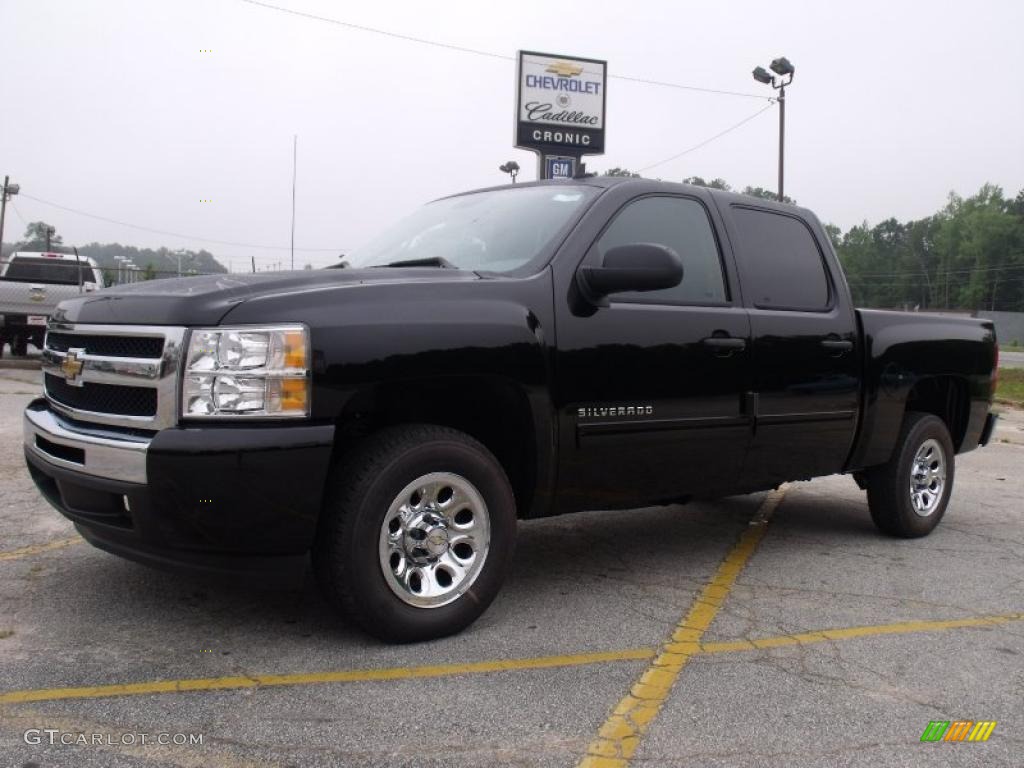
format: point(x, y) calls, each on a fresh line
point(600, 581)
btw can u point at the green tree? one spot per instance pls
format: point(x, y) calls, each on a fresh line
point(968, 256)
point(36, 231)
point(835, 234)
point(150, 272)
point(765, 194)
point(716, 183)
point(35, 239)
point(622, 172)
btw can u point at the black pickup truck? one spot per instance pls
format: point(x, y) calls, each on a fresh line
point(508, 353)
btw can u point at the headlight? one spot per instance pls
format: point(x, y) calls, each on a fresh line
point(247, 371)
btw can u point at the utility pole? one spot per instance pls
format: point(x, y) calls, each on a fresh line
point(8, 191)
point(783, 68)
point(50, 231)
point(782, 137)
point(295, 156)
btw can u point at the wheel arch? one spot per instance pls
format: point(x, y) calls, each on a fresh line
point(946, 397)
point(509, 419)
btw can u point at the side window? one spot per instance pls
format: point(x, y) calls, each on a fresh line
point(781, 267)
point(683, 226)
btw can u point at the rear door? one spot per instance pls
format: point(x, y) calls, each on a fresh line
point(650, 388)
point(805, 359)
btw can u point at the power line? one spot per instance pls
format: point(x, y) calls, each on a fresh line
point(707, 141)
point(488, 54)
point(374, 30)
point(177, 234)
point(22, 218)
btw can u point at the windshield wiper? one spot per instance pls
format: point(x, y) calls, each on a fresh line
point(429, 261)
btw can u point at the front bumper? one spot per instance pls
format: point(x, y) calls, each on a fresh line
point(215, 498)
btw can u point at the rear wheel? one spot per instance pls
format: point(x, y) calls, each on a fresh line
point(908, 496)
point(417, 533)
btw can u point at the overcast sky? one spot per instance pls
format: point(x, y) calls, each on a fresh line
point(110, 107)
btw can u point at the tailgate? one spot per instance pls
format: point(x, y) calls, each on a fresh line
point(17, 298)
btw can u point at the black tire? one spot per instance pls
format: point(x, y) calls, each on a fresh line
point(362, 488)
point(889, 485)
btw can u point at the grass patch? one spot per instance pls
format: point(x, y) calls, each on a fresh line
point(1011, 386)
point(5, 633)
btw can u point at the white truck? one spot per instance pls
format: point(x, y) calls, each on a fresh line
point(32, 285)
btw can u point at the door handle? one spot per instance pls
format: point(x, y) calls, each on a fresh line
point(725, 345)
point(837, 346)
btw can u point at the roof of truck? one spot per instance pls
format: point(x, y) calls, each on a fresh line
point(653, 185)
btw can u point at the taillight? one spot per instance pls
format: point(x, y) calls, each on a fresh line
point(995, 372)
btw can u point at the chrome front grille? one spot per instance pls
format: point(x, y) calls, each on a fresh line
point(148, 347)
point(102, 398)
point(118, 375)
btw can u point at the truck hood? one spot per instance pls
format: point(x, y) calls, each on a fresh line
point(205, 300)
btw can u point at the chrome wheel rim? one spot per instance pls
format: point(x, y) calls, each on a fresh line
point(927, 477)
point(434, 540)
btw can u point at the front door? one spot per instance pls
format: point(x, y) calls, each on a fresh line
point(650, 389)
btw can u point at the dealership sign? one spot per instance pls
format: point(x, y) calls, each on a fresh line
point(560, 104)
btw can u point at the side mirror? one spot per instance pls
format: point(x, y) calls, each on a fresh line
point(636, 267)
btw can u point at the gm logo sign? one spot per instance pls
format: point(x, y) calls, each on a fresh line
point(559, 167)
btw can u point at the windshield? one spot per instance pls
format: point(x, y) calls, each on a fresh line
point(45, 270)
point(496, 231)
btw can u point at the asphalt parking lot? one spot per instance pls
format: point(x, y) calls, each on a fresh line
point(771, 630)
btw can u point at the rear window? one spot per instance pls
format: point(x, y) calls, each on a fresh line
point(782, 267)
point(43, 270)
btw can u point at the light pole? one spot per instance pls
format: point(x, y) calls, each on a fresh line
point(179, 253)
point(9, 190)
point(50, 232)
point(784, 69)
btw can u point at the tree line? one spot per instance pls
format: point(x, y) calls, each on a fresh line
point(152, 262)
point(967, 256)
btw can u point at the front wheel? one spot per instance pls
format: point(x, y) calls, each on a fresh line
point(908, 495)
point(417, 533)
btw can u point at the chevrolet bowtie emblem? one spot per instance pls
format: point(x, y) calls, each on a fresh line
point(71, 366)
point(564, 69)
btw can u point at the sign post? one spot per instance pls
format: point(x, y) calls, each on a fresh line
point(560, 110)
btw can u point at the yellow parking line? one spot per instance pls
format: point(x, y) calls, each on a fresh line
point(343, 676)
point(619, 737)
point(849, 633)
point(509, 665)
point(35, 549)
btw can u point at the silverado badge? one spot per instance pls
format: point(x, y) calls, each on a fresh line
point(596, 412)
